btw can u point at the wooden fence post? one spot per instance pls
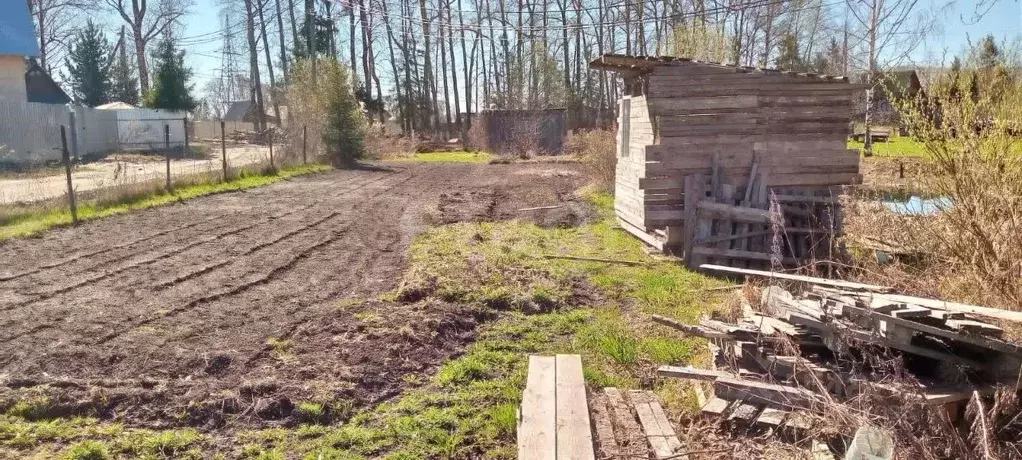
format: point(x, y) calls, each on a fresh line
point(223, 147)
point(166, 154)
point(305, 159)
point(66, 158)
point(271, 149)
point(184, 124)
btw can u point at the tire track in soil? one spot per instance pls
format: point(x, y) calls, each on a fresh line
point(395, 180)
point(42, 296)
point(176, 231)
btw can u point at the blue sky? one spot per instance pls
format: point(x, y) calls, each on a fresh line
point(955, 27)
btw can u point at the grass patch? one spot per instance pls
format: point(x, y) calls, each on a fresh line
point(30, 222)
point(896, 147)
point(459, 156)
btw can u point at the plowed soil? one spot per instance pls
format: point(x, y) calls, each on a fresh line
point(231, 309)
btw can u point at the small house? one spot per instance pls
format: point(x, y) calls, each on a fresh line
point(17, 41)
point(734, 165)
point(40, 87)
point(890, 88)
point(248, 112)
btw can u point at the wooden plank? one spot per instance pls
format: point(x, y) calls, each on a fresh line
point(606, 444)
point(983, 342)
point(973, 327)
point(641, 234)
point(910, 311)
point(629, 434)
point(537, 425)
point(805, 279)
point(777, 396)
point(738, 213)
point(691, 373)
point(694, 192)
point(574, 438)
point(654, 422)
point(956, 307)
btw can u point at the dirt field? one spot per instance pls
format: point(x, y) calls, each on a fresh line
point(227, 311)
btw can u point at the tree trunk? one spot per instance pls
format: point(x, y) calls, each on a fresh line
point(871, 69)
point(283, 48)
point(269, 64)
point(140, 59)
point(468, 86)
point(294, 24)
point(441, 30)
point(310, 28)
point(393, 67)
point(256, 90)
point(454, 68)
point(427, 63)
point(351, 46)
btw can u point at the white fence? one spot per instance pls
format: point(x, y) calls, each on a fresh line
point(30, 132)
point(211, 129)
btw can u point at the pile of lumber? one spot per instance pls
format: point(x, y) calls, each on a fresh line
point(799, 355)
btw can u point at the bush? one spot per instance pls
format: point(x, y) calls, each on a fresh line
point(597, 150)
point(329, 110)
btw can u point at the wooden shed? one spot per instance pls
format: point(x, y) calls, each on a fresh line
point(704, 149)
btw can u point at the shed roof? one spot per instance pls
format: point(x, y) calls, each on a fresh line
point(40, 87)
point(17, 32)
point(639, 65)
point(116, 105)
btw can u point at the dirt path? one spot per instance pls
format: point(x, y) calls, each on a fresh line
point(230, 309)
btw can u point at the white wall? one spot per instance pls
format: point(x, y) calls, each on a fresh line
point(143, 129)
point(12, 78)
point(30, 132)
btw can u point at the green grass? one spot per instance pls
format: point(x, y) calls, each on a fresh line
point(896, 147)
point(30, 222)
point(468, 408)
point(447, 157)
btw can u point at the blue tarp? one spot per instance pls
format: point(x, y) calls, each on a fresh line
point(17, 32)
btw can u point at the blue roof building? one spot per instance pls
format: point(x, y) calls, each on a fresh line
point(17, 32)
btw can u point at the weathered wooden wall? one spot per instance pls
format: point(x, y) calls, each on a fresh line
point(717, 121)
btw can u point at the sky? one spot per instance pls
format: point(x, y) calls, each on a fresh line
point(955, 26)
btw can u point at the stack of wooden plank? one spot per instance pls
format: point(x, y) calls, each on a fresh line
point(632, 424)
point(801, 354)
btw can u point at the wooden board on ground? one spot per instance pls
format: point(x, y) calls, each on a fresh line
point(574, 438)
point(537, 425)
point(630, 440)
point(658, 429)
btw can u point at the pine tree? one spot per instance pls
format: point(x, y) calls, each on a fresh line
point(988, 54)
point(170, 89)
point(125, 85)
point(344, 134)
point(88, 66)
point(789, 58)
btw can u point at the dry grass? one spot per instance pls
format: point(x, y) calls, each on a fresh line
point(596, 149)
point(970, 251)
point(387, 147)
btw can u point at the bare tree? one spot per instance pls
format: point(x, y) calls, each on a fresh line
point(147, 20)
point(55, 22)
point(256, 88)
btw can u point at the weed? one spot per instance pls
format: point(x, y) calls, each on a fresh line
point(662, 350)
point(88, 450)
point(505, 419)
point(462, 371)
point(447, 157)
point(310, 412)
point(281, 348)
point(619, 346)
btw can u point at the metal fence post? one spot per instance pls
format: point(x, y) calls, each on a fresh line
point(223, 147)
point(166, 138)
point(305, 159)
point(271, 149)
point(65, 155)
point(73, 123)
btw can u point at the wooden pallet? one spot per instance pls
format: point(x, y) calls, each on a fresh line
point(632, 424)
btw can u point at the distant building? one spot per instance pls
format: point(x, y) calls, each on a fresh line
point(17, 41)
point(246, 111)
point(891, 87)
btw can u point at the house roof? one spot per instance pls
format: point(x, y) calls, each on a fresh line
point(639, 65)
point(17, 32)
point(237, 111)
point(41, 88)
point(117, 105)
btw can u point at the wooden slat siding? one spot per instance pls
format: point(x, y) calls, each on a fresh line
point(661, 81)
point(793, 165)
point(537, 427)
point(776, 180)
point(662, 106)
point(658, 86)
point(680, 69)
point(574, 438)
point(700, 160)
point(640, 233)
point(670, 127)
point(654, 422)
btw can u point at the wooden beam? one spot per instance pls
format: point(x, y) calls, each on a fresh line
point(805, 279)
point(726, 211)
point(777, 396)
point(691, 373)
point(992, 344)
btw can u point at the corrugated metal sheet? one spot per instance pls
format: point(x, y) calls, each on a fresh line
point(17, 32)
point(30, 133)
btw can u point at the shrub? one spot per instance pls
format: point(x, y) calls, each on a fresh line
point(329, 110)
point(597, 151)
